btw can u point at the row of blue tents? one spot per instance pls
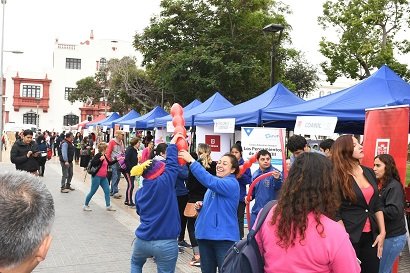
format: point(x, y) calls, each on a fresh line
point(279, 107)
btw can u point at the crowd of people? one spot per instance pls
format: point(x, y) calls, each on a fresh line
point(333, 214)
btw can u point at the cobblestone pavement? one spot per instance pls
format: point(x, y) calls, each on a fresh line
point(99, 241)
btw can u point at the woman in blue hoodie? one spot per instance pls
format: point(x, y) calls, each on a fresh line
point(244, 179)
point(157, 206)
point(216, 227)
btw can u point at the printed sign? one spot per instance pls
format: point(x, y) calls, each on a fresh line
point(105, 128)
point(170, 127)
point(214, 141)
point(126, 128)
point(382, 146)
point(315, 125)
point(225, 125)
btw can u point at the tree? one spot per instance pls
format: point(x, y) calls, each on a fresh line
point(196, 47)
point(122, 84)
point(367, 37)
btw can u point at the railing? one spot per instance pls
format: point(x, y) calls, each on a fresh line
point(66, 46)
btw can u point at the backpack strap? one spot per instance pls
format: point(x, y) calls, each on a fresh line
point(261, 219)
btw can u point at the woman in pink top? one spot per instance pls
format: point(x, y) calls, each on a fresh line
point(299, 234)
point(361, 210)
point(100, 178)
point(146, 153)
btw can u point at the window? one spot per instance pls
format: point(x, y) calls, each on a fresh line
point(71, 63)
point(30, 118)
point(67, 91)
point(70, 120)
point(31, 91)
point(89, 117)
point(103, 63)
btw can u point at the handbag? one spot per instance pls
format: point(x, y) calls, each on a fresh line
point(190, 210)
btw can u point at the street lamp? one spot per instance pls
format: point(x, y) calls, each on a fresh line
point(273, 28)
point(3, 2)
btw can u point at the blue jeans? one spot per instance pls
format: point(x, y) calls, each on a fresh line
point(115, 179)
point(212, 254)
point(97, 181)
point(165, 253)
point(391, 250)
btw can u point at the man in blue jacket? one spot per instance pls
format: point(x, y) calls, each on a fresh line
point(268, 188)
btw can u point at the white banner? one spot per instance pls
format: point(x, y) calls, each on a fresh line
point(254, 139)
point(170, 127)
point(225, 125)
point(315, 125)
point(105, 128)
point(126, 128)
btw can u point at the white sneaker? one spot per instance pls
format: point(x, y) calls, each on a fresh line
point(110, 208)
point(86, 208)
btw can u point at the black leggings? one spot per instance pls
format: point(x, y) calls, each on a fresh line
point(191, 231)
point(241, 216)
point(367, 254)
point(182, 201)
point(130, 187)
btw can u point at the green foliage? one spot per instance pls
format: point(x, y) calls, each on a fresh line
point(366, 37)
point(88, 90)
point(195, 47)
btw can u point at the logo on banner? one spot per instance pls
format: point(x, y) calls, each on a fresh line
point(214, 141)
point(382, 146)
point(248, 131)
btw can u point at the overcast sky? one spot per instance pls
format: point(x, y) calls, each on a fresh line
point(33, 25)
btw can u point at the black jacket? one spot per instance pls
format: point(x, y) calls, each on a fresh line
point(392, 196)
point(18, 156)
point(195, 188)
point(131, 158)
point(97, 162)
point(354, 215)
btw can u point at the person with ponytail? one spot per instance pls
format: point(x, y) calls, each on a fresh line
point(157, 206)
point(393, 198)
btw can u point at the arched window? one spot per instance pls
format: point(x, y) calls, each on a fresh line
point(70, 120)
point(30, 118)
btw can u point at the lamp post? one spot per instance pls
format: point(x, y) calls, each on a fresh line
point(273, 28)
point(3, 2)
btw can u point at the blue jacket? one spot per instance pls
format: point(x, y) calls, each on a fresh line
point(217, 220)
point(180, 186)
point(244, 180)
point(265, 191)
point(156, 203)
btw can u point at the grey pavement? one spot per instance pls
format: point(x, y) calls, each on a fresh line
point(100, 241)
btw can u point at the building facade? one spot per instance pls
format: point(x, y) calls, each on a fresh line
point(43, 100)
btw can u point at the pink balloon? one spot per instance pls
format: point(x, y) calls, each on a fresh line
point(178, 121)
point(176, 110)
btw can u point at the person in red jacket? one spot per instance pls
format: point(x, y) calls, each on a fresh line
point(115, 148)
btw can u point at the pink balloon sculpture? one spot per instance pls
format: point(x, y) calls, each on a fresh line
point(247, 164)
point(179, 127)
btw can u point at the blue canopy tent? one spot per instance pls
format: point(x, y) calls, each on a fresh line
point(111, 117)
point(383, 88)
point(248, 113)
point(130, 115)
point(142, 121)
point(193, 104)
point(216, 102)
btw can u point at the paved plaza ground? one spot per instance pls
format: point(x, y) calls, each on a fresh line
point(99, 241)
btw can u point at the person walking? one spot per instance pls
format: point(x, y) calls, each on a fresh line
point(66, 156)
point(393, 198)
point(157, 234)
point(24, 153)
point(115, 148)
point(131, 159)
point(99, 179)
point(42, 158)
point(77, 144)
point(299, 233)
point(85, 152)
point(216, 228)
point(361, 210)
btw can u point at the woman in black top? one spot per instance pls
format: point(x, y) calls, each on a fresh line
point(197, 193)
point(131, 159)
point(361, 209)
point(392, 196)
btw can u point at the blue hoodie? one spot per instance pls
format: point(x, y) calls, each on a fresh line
point(265, 191)
point(156, 203)
point(180, 186)
point(217, 220)
point(244, 180)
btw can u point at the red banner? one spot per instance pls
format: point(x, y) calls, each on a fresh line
point(214, 141)
point(386, 131)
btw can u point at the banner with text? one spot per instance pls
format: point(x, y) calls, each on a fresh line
point(386, 131)
point(315, 125)
point(225, 125)
point(254, 139)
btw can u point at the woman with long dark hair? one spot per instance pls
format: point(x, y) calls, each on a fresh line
point(42, 158)
point(361, 211)
point(393, 198)
point(299, 233)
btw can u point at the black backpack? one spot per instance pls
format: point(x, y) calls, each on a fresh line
point(244, 256)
